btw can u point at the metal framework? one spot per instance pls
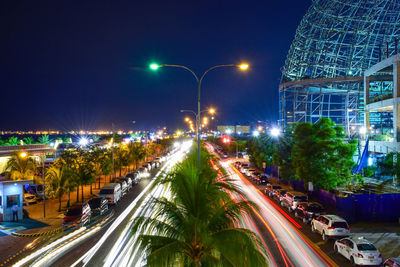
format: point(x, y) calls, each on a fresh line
point(336, 41)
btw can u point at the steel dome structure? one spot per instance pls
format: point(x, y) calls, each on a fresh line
point(336, 41)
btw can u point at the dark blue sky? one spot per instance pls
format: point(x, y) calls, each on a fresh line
point(83, 64)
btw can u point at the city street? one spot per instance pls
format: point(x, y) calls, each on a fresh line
point(100, 246)
point(287, 245)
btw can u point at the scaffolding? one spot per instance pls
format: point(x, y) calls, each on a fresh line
point(336, 41)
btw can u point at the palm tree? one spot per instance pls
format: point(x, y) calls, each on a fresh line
point(196, 227)
point(121, 158)
point(69, 159)
point(13, 141)
point(44, 139)
point(20, 166)
point(28, 140)
point(58, 179)
point(136, 152)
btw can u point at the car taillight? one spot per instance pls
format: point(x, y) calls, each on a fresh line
point(360, 255)
point(330, 228)
point(347, 228)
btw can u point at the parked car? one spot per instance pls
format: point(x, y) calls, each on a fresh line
point(330, 226)
point(359, 251)
point(244, 169)
point(78, 214)
point(262, 179)
point(278, 194)
point(143, 172)
point(250, 172)
point(135, 177)
point(29, 199)
point(308, 211)
point(98, 205)
point(292, 199)
point(128, 182)
point(112, 192)
point(392, 262)
point(268, 190)
point(124, 186)
point(244, 166)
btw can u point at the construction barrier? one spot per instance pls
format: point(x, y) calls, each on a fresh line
point(51, 232)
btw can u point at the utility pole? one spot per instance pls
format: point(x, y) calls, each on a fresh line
point(112, 149)
point(44, 184)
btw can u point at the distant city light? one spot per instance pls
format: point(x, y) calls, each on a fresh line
point(23, 154)
point(256, 133)
point(83, 141)
point(275, 132)
point(228, 131)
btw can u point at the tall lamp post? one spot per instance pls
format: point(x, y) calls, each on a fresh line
point(155, 66)
point(276, 132)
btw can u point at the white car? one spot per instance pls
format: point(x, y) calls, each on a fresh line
point(29, 199)
point(358, 250)
point(330, 226)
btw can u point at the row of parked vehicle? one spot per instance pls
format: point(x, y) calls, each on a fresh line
point(258, 177)
point(81, 214)
point(358, 250)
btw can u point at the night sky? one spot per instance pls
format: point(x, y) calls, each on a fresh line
point(71, 65)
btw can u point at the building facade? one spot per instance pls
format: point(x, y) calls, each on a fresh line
point(334, 44)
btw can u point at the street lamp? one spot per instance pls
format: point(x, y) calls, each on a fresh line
point(275, 132)
point(242, 66)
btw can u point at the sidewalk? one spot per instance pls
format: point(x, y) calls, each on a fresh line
point(36, 223)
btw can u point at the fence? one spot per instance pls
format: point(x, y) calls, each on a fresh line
point(363, 207)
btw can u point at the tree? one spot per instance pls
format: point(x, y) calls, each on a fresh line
point(44, 139)
point(69, 159)
point(58, 180)
point(12, 141)
point(121, 158)
point(261, 149)
point(20, 166)
point(136, 152)
point(195, 227)
point(84, 169)
point(321, 155)
point(282, 157)
point(28, 140)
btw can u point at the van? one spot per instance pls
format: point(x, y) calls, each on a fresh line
point(123, 184)
point(112, 192)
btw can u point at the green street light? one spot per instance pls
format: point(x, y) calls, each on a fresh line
point(154, 66)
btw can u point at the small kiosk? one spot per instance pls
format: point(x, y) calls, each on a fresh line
point(11, 193)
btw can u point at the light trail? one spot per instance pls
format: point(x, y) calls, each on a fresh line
point(47, 255)
point(294, 249)
point(123, 252)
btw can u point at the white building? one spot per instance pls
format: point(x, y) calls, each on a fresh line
point(11, 193)
point(382, 105)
